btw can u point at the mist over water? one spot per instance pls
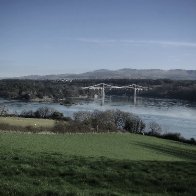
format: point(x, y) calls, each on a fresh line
point(172, 115)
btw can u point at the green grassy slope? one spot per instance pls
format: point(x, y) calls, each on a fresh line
point(95, 164)
point(117, 146)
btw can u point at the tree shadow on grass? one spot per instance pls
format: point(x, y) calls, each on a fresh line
point(187, 155)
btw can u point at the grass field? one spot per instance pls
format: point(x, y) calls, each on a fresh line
point(95, 164)
point(18, 121)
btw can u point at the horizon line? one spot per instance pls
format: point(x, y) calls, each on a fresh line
point(48, 74)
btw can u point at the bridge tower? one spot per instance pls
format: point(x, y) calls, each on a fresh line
point(102, 87)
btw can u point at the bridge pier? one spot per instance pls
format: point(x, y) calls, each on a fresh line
point(135, 96)
point(103, 95)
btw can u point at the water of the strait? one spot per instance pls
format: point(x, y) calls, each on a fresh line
point(172, 115)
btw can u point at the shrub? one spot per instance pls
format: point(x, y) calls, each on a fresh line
point(154, 129)
point(43, 112)
point(59, 126)
point(173, 136)
point(57, 115)
point(110, 120)
point(78, 127)
point(27, 114)
point(4, 126)
point(82, 116)
point(3, 110)
point(103, 120)
point(134, 125)
point(192, 141)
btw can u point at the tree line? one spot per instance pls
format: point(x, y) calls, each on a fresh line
point(56, 90)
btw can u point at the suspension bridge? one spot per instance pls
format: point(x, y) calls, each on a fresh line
point(103, 86)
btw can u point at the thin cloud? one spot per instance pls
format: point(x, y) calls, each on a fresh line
point(96, 41)
point(168, 43)
point(138, 42)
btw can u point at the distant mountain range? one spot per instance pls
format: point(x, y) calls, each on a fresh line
point(174, 74)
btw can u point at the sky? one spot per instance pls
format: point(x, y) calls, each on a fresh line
point(74, 36)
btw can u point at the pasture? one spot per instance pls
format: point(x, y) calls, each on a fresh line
point(95, 164)
point(24, 122)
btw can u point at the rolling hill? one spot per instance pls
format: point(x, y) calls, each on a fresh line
point(175, 74)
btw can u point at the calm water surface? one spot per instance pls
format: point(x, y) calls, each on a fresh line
point(172, 115)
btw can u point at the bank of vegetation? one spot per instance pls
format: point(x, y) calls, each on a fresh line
point(83, 122)
point(59, 91)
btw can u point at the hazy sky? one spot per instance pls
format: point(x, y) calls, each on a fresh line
point(61, 36)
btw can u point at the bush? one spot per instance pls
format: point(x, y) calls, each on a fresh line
point(154, 129)
point(173, 136)
point(57, 115)
point(27, 114)
point(110, 120)
point(78, 127)
point(59, 126)
point(82, 116)
point(72, 127)
point(3, 110)
point(192, 141)
point(134, 125)
point(103, 120)
point(43, 112)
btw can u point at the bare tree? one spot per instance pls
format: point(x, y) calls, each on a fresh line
point(44, 112)
point(3, 110)
point(154, 128)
